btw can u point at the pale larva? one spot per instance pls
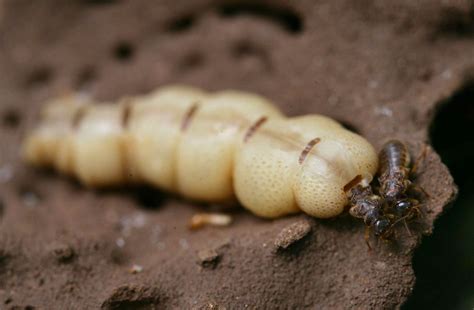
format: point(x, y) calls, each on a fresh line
point(209, 147)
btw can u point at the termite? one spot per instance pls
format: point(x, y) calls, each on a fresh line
point(208, 147)
point(200, 220)
point(394, 178)
point(366, 205)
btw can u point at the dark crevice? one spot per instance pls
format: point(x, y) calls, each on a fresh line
point(284, 17)
point(11, 118)
point(456, 23)
point(349, 126)
point(148, 197)
point(443, 263)
point(181, 24)
point(123, 51)
point(38, 77)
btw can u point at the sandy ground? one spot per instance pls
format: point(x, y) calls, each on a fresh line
point(381, 68)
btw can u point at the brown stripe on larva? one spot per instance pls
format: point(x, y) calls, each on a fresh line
point(252, 129)
point(356, 180)
point(78, 117)
point(125, 160)
point(307, 149)
point(188, 116)
point(126, 114)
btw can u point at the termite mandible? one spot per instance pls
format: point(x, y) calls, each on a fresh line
point(210, 147)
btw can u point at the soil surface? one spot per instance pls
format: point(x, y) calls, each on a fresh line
point(381, 68)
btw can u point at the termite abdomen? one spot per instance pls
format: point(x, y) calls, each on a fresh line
point(394, 160)
point(394, 156)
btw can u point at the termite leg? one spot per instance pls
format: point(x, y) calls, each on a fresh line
point(418, 191)
point(407, 228)
point(410, 213)
point(367, 237)
point(389, 233)
point(417, 209)
point(416, 165)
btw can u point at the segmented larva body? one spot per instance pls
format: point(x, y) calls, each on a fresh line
point(209, 147)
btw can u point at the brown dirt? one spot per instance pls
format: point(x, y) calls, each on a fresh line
point(379, 67)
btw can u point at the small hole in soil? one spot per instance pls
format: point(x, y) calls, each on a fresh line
point(181, 24)
point(456, 23)
point(11, 118)
point(283, 17)
point(29, 196)
point(148, 197)
point(442, 262)
point(248, 50)
point(191, 61)
point(86, 77)
point(123, 51)
point(245, 48)
point(38, 77)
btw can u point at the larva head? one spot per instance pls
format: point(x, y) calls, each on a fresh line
point(394, 186)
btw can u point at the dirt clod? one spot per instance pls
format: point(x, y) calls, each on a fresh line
point(291, 234)
point(132, 297)
point(208, 258)
point(63, 253)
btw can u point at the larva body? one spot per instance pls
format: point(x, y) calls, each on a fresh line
point(209, 147)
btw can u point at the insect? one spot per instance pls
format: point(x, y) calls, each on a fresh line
point(393, 201)
point(200, 220)
point(206, 146)
point(395, 185)
point(368, 206)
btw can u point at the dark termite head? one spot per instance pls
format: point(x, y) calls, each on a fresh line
point(393, 187)
point(402, 207)
point(382, 227)
point(372, 216)
point(364, 204)
point(365, 207)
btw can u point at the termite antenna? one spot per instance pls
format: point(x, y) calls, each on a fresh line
point(407, 228)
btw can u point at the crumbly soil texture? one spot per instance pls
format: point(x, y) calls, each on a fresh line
point(382, 68)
